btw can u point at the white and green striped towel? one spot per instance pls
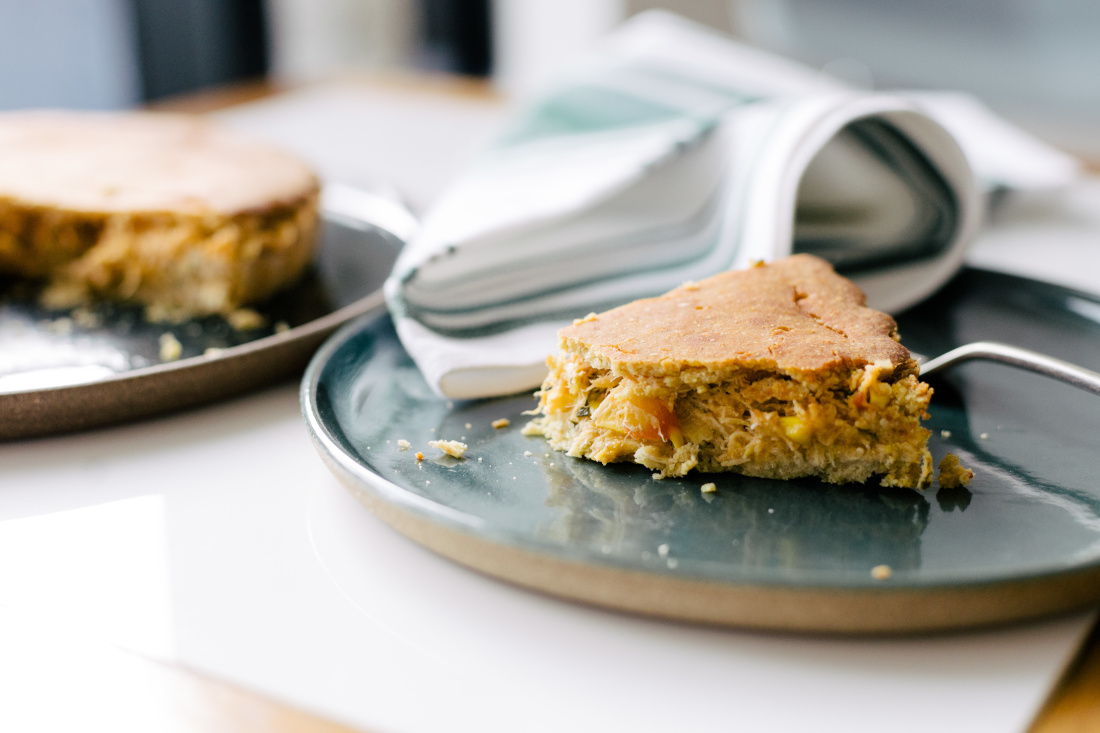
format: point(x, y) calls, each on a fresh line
point(671, 155)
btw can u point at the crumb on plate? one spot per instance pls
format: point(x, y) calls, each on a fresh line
point(244, 319)
point(502, 422)
point(403, 444)
point(170, 347)
point(60, 326)
point(85, 318)
point(952, 474)
point(881, 572)
point(454, 448)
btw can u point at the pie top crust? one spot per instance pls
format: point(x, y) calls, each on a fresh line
point(142, 162)
point(795, 316)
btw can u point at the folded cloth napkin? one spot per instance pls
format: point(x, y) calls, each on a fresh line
point(670, 155)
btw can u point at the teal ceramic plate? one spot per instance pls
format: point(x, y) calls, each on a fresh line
point(1022, 541)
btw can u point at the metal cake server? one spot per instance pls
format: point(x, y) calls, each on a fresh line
point(1032, 361)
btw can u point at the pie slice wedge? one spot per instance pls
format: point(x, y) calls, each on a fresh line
point(777, 371)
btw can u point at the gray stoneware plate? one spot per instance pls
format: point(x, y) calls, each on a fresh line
point(59, 373)
point(1023, 541)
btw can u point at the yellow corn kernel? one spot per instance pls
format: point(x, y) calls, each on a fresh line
point(796, 429)
point(880, 394)
point(677, 437)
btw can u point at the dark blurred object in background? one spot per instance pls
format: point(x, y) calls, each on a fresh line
point(107, 54)
point(185, 45)
point(458, 36)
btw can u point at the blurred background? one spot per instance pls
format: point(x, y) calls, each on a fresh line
point(1034, 61)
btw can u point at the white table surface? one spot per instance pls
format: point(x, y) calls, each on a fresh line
point(216, 538)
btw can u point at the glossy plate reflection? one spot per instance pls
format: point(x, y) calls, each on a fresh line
point(1022, 541)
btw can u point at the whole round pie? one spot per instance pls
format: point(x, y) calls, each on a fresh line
point(169, 211)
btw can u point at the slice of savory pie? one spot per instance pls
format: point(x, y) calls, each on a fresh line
point(776, 371)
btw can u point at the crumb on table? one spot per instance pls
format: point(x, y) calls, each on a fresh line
point(952, 474)
point(502, 422)
point(454, 448)
point(881, 572)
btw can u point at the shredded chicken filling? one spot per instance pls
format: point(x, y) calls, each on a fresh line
point(840, 427)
